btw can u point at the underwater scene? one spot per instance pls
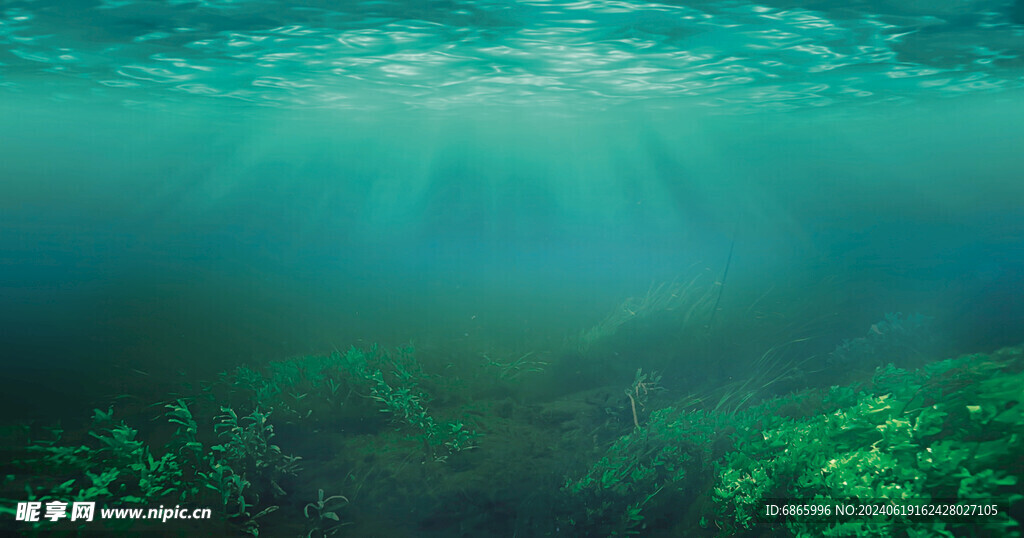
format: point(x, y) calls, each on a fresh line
point(490, 268)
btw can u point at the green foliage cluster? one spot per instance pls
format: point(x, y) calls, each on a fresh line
point(322, 514)
point(116, 468)
point(655, 460)
point(308, 387)
point(114, 464)
point(950, 431)
point(946, 432)
point(399, 394)
point(222, 451)
point(320, 387)
point(253, 462)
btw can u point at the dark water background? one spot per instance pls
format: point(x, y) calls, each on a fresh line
point(158, 242)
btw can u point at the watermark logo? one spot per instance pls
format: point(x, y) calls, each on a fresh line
point(38, 511)
point(55, 510)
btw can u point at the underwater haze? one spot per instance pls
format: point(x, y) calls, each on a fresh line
point(532, 216)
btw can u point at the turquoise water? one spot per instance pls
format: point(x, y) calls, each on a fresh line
point(187, 187)
point(445, 55)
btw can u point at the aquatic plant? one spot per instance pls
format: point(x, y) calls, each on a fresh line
point(639, 393)
point(295, 389)
point(323, 517)
point(689, 303)
point(614, 497)
point(908, 438)
point(401, 397)
point(321, 388)
point(950, 432)
point(247, 446)
point(242, 468)
point(906, 446)
point(118, 468)
point(514, 369)
point(772, 369)
point(342, 386)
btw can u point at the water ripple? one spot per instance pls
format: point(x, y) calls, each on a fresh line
point(587, 53)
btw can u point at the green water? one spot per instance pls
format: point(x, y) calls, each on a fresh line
point(547, 201)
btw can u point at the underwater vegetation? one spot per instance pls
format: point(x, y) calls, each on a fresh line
point(950, 432)
point(691, 300)
point(373, 442)
point(227, 457)
point(894, 339)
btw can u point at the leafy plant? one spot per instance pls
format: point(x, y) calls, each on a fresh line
point(897, 442)
point(323, 515)
point(644, 386)
point(951, 431)
point(399, 395)
point(659, 456)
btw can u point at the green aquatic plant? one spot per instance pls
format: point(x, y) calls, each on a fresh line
point(515, 369)
point(247, 447)
point(322, 515)
point(185, 445)
point(909, 438)
point(296, 389)
point(222, 451)
point(653, 461)
point(640, 392)
point(690, 303)
point(116, 467)
point(241, 469)
point(399, 395)
point(773, 368)
point(321, 388)
point(950, 432)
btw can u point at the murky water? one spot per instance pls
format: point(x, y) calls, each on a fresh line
point(186, 187)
